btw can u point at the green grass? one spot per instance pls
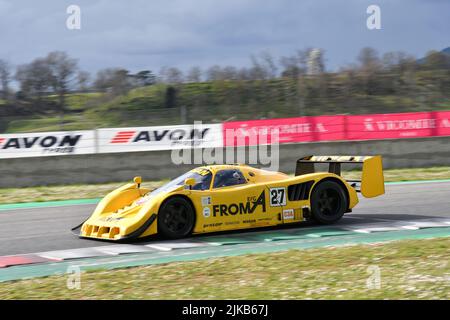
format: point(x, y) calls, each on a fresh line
point(69, 192)
point(416, 269)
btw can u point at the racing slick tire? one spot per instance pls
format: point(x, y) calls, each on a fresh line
point(328, 202)
point(176, 218)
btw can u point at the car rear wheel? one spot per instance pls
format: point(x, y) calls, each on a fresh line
point(328, 202)
point(176, 218)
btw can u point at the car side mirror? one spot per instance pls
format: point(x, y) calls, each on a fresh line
point(138, 181)
point(190, 182)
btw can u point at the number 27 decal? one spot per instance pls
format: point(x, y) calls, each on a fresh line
point(277, 197)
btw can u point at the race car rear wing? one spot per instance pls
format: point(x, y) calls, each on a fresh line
point(372, 178)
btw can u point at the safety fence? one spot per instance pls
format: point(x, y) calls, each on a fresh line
point(251, 132)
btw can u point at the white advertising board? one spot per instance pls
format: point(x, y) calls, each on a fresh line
point(159, 138)
point(41, 144)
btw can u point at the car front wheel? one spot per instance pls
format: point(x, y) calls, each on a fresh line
point(176, 218)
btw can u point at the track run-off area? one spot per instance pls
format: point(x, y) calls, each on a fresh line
point(36, 239)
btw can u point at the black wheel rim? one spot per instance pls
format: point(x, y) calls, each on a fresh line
point(176, 217)
point(329, 202)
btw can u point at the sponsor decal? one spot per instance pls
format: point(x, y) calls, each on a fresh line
point(206, 212)
point(288, 214)
point(206, 201)
point(248, 207)
point(45, 142)
point(212, 225)
point(111, 219)
point(155, 135)
point(123, 136)
point(174, 135)
point(232, 223)
point(277, 197)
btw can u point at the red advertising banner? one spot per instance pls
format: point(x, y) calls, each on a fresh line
point(398, 125)
point(302, 129)
point(339, 127)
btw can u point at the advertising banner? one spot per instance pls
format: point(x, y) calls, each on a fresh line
point(159, 138)
point(339, 127)
point(290, 130)
point(46, 144)
point(398, 125)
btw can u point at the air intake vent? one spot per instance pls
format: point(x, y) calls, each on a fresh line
point(299, 191)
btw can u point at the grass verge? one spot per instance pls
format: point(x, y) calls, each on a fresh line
point(70, 192)
point(418, 269)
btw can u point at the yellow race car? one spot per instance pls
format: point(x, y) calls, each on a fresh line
point(231, 197)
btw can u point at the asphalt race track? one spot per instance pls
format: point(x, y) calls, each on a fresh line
point(47, 229)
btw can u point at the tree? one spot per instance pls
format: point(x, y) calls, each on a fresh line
point(368, 59)
point(291, 68)
point(229, 73)
point(214, 73)
point(83, 78)
point(5, 78)
point(62, 68)
point(43, 75)
point(369, 66)
point(34, 78)
point(259, 70)
point(145, 78)
point(114, 80)
point(297, 65)
point(244, 74)
point(194, 75)
point(269, 64)
point(437, 60)
point(171, 75)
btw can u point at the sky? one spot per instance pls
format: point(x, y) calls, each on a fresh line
point(149, 34)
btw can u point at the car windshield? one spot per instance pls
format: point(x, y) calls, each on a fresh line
point(202, 178)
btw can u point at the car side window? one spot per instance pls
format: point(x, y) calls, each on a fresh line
point(228, 177)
